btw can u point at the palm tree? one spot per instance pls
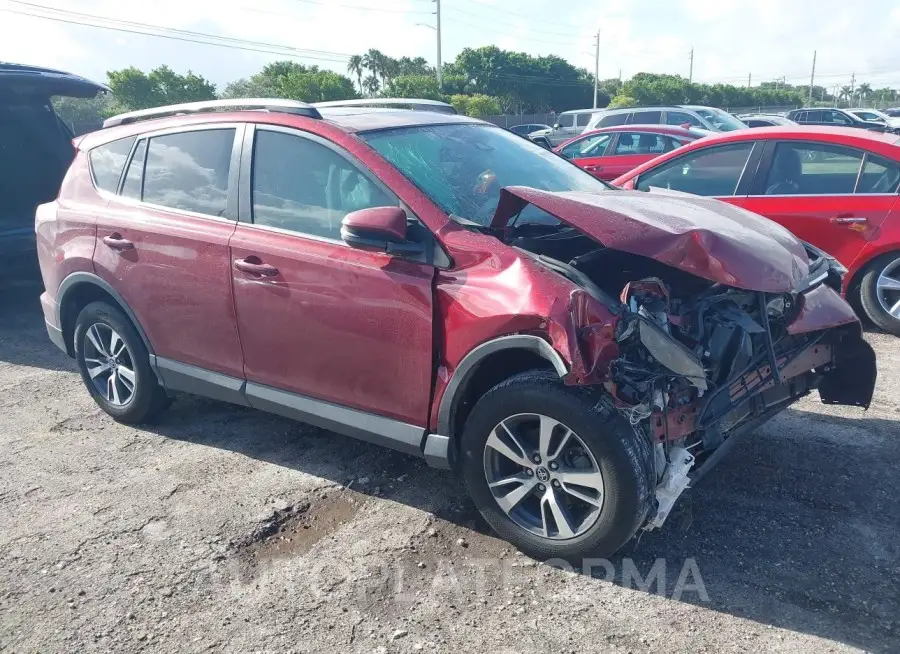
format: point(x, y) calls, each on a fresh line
point(844, 93)
point(864, 90)
point(355, 67)
point(371, 85)
point(373, 61)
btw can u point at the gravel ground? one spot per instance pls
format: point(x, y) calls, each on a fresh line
point(225, 529)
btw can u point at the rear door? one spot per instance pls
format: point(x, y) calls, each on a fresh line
point(631, 149)
point(162, 243)
point(589, 152)
point(325, 322)
point(833, 196)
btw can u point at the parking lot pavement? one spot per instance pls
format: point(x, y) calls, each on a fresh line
point(225, 529)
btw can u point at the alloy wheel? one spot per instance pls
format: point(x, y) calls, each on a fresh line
point(109, 364)
point(888, 288)
point(543, 476)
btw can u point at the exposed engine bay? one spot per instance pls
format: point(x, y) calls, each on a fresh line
point(700, 364)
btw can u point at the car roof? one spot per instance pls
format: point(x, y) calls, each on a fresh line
point(343, 119)
point(806, 131)
point(654, 129)
point(580, 111)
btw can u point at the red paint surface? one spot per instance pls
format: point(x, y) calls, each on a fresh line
point(700, 236)
point(814, 218)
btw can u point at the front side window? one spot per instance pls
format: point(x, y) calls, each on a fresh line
point(613, 119)
point(189, 170)
point(591, 146)
point(812, 169)
point(712, 172)
point(566, 120)
point(836, 118)
point(107, 162)
point(646, 118)
point(680, 118)
point(305, 187)
point(720, 120)
point(462, 167)
point(582, 120)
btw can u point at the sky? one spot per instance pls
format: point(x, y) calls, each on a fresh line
point(731, 39)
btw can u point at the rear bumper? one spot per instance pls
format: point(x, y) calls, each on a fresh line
point(51, 322)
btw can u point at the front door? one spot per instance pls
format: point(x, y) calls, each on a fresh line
point(162, 243)
point(319, 319)
point(818, 191)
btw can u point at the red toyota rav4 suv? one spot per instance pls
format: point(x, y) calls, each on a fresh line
point(441, 286)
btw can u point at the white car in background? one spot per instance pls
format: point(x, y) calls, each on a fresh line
point(875, 116)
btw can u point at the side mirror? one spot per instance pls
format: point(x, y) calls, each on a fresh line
point(556, 126)
point(378, 229)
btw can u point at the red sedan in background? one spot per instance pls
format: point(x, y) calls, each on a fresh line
point(836, 188)
point(611, 151)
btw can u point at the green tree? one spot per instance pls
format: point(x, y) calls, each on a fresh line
point(133, 89)
point(622, 101)
point(480, 105)
point(295, 81)
point(257, 86)
point(460, 102)
point(371, 85)
point(414, 86)
point(84, 115)
point(865, 90)
point(355, 67)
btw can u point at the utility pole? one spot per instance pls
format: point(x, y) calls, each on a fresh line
point(852, 85)
point(749, 80)
point(596, 67)
point(812, 77)
point(440, 76)
point(691, 70)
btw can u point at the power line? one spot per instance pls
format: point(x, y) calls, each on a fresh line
point(189, 37)
point(363, 8)
point(542, 20)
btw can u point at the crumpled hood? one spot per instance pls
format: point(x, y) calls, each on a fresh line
point(701, 236)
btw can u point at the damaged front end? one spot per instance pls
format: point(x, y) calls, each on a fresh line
point(693, 355)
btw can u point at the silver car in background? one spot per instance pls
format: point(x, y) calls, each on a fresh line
point(708, 118)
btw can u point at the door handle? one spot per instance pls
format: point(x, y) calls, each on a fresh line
point(255, 267)
point(593, 169)
point(849, 220)
point(116, 242)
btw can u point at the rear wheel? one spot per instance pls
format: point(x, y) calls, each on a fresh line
point(554, 469)
point(115, 365)
point(879, 292)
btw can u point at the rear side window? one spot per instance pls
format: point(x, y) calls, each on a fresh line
point(613, 119)
point(107, 162)
point(813, 116)
point(305, 187)
point(879, 175)
point(813, 169)
point(710, 172)
point(189, 170)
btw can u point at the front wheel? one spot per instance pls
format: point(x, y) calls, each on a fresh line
point(555, 469)
point(879, 292)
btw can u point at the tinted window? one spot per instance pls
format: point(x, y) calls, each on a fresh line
point(463, 167)
point(591, 146)
point(720, 120)
point(582, 119)
point(189, 170)
point(711, 172)
point(566, 120)
point(680, 118)
point(879, 176)
point(836, 117)
point(635, 143)
point(131, 188)
point(306, 187)
point(613, 119)
point(813, 116)
point(812, 169)
point(107, 162)
point(868, 115)
point(646, 118)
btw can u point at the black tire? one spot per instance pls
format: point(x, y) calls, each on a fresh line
point(148, 398)
point(624, 459)
point(868, 294)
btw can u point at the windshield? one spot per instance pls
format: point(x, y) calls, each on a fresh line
point(721, 120)
point(463, 167)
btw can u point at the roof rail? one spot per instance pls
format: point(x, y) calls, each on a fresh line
point(418, 104)
point(238, 104)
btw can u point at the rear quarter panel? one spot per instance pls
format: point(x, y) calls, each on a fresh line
point(66, 228)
